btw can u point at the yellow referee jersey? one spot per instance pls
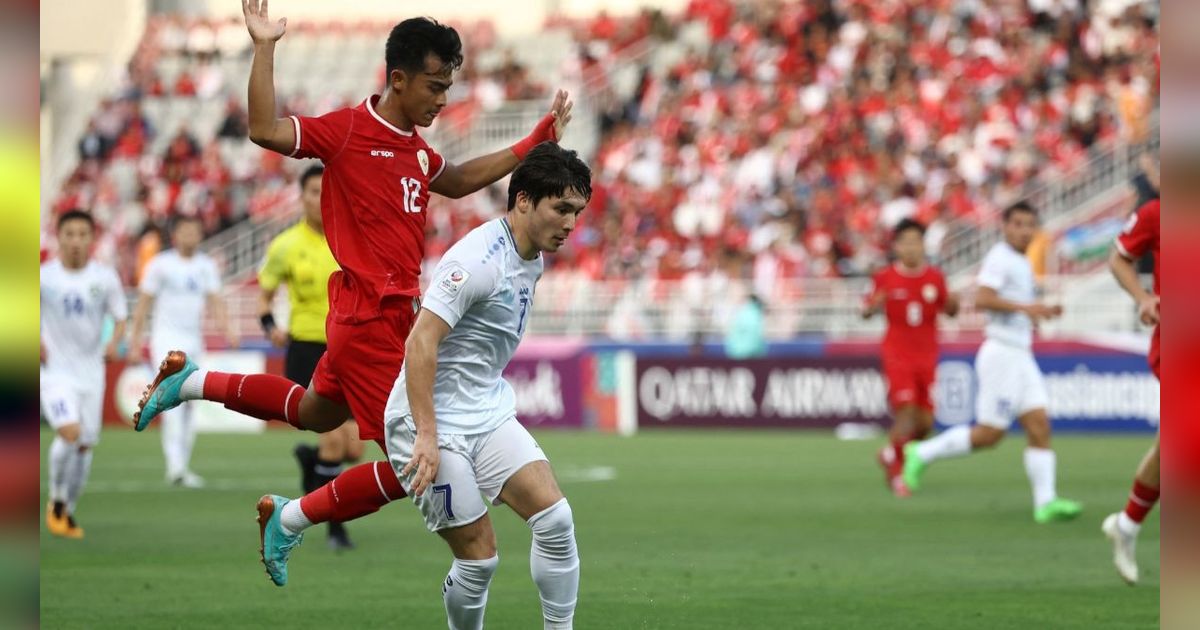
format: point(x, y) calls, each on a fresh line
point(300, 257)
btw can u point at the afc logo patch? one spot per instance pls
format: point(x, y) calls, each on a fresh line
point(423, 161)
point(453, 279)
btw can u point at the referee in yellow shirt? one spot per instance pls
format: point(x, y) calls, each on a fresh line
point(300, 258)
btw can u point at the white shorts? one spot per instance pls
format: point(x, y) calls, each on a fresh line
point(1010, 384)
point(468, 465)
point(65, 402)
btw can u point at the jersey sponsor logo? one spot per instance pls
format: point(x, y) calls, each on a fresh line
point(929, 292)
point(382, 153)
point(423, 160)
point(453, 280)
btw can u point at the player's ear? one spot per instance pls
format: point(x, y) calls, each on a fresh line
point(397, 79)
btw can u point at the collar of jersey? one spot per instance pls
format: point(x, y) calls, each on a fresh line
point(511, 239)
point(371, 108)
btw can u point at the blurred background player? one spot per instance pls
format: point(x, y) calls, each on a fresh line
point(1141, 236)
point(77, 295)
point(379, 176)
point(911, 293)
point(300, 258)
point(1010, 381)
point(180, 284)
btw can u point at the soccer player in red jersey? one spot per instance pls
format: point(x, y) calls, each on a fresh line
point(379, 174)
point(911, 293)
point(1139, 237)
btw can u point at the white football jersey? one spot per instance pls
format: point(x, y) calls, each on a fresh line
point(1010, 274)
point(74, 303)
point(484, 290)
point(180, 287)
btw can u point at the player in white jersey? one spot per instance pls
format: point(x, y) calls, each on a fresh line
point(1010, 382)
point(450, 422)
point(179, 284)
point(77, 294)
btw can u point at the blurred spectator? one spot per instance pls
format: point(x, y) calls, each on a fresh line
point(236, 124)
point(746, 338)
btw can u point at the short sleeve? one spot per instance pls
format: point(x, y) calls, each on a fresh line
point(115, 297)
point(437, 164)
point(152, 279)
point(274, 268)
point(456, 286)
point(939, 281)
point(322, 137)
point(212, 277)
point(877, 285)
point(992, 272)
point(1139, 234)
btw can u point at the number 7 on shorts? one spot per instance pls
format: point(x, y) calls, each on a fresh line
point(445, 489)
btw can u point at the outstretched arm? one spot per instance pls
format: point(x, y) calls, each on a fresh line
point(460, 180)
point(267, 131)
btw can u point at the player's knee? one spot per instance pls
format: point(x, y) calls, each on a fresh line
point(986, 437)
point(554, 527)
point(69, 433)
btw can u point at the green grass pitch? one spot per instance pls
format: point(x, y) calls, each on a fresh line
point(712, 529)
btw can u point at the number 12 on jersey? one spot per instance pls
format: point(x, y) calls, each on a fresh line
point(412, 194)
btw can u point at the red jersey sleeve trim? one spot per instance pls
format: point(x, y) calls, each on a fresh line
point(296, 125)
point(1124, 252)
point(439, 171)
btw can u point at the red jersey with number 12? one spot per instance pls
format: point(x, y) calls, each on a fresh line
point(374, 196)
point(913, 301)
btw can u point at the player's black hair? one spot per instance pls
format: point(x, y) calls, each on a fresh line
point(1020, 206)
point(411, 41)
point(316, 170)
point(549, 170)
point(76, 215)
point(186, 218)
point(905, 225)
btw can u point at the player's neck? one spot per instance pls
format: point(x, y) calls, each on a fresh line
point(910, 271)
point(388, 108)
point(71, 264)
point(315, 226)
point(185, 253)
point(521, 241)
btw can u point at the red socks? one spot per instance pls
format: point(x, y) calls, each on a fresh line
point(897, 465)
point(357, 492)
point(1141, 500)
point(262, 396)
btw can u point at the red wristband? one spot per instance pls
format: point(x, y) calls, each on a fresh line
point(542, 132)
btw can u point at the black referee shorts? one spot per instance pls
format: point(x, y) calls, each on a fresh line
point(301, 360)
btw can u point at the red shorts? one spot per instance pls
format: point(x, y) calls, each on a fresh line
point(361, 363)
point(1155, 357)
point(909, 382)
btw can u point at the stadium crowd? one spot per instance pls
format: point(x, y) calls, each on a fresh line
point(777, 140)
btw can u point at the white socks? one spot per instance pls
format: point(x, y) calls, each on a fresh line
point(292, 518)
point(62, 456)
point(465, 592)
point(1040, 465)
point(69, 470)
point(1127, 526)
point(554, 563)
point(953, 442)
point(78, 475)
point(193, 386)
point(178, 437)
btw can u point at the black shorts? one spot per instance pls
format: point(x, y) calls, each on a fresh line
point(301, 360)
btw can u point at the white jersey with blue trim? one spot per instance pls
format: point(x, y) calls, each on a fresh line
point(483, 290)
point(1009, 273)
point(180, 287)
point(74, 303)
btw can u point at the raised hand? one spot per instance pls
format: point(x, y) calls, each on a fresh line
point(561, 111)
point(262, 29)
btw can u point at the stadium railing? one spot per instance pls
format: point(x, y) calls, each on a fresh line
point(567, 305)
point(1112, 168)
